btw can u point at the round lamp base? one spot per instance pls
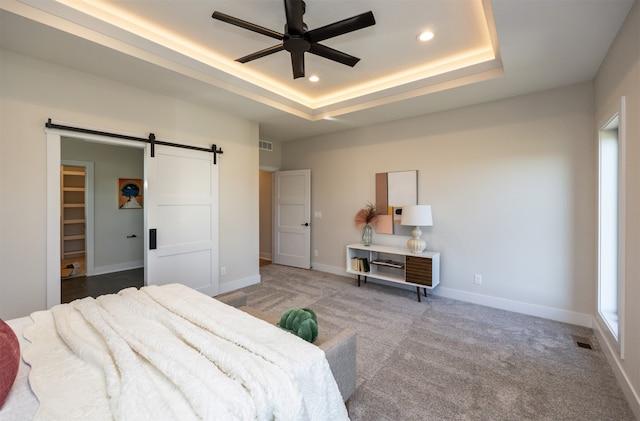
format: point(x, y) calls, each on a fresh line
point(416, 244)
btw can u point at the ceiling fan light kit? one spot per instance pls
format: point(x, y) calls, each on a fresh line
point(297, 40)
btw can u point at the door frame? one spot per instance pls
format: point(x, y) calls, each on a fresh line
point(269, 170)
point(54, 160)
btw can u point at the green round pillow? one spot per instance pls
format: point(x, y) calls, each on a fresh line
point(301, 322)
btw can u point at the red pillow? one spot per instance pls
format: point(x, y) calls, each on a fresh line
point(9, 359)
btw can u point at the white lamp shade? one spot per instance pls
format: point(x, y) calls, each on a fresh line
point(417, 215)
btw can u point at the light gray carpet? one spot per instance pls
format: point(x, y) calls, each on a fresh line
point(444, 359)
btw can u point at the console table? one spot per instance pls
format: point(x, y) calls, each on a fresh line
point(394, 264)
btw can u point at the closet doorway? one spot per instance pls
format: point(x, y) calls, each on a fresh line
point(121, 243)
point(101, 243)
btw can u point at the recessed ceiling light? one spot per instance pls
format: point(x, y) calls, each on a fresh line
point(425, 36)
point(313, 78)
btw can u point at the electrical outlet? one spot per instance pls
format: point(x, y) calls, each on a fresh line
point(223, 270)
point(477, 279)
point(315, 253)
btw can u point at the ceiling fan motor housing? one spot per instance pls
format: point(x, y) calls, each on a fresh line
point(296, 43)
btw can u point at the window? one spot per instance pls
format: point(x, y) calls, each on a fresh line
point(611, 225)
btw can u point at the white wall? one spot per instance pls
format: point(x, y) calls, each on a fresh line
point(113, 250)
point(33, 90)
point(271, 159)
point(511, 185)
point(619, 76)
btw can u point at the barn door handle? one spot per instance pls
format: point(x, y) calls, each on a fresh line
point(152, 239)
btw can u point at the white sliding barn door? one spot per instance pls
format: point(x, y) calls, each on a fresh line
point(182, 201)
point(292, 215)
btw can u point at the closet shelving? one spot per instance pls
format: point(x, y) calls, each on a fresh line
point(73, 240)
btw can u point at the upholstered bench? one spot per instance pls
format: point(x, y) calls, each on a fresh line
point(339, 349)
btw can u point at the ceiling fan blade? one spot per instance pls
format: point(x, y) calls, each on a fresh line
point(297, 64)
point(247, 25)
point(294, 9)
point(341, 27)
point(261, 53)
point(331, 54)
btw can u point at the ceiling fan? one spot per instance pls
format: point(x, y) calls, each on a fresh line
point(297, 40)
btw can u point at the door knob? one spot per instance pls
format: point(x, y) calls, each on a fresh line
point(306, 224)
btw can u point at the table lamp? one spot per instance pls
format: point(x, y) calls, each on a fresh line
point(418, 216)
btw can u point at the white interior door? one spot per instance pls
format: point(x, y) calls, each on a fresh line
point(181, 238)
point(292, 218)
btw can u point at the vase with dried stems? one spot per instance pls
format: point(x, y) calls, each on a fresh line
point(366, 220)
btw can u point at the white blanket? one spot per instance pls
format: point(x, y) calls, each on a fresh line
point(172, 353)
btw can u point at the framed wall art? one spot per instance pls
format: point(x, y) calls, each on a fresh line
point(393, 191)
point(130, 193)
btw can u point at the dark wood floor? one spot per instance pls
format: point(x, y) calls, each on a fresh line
point(110, 283)
point(264, 262)
point(93, 286)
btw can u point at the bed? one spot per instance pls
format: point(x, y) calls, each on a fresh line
point(165, 352)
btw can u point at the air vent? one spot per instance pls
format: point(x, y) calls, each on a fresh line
point(266, 146)
point(582, 342)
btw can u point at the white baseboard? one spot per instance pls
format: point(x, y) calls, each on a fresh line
point(238, 283)
point(559, 315)
point(565, 316)
point(329, 269)
point(265, 256)
point(101, 270)
point(621, 376)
